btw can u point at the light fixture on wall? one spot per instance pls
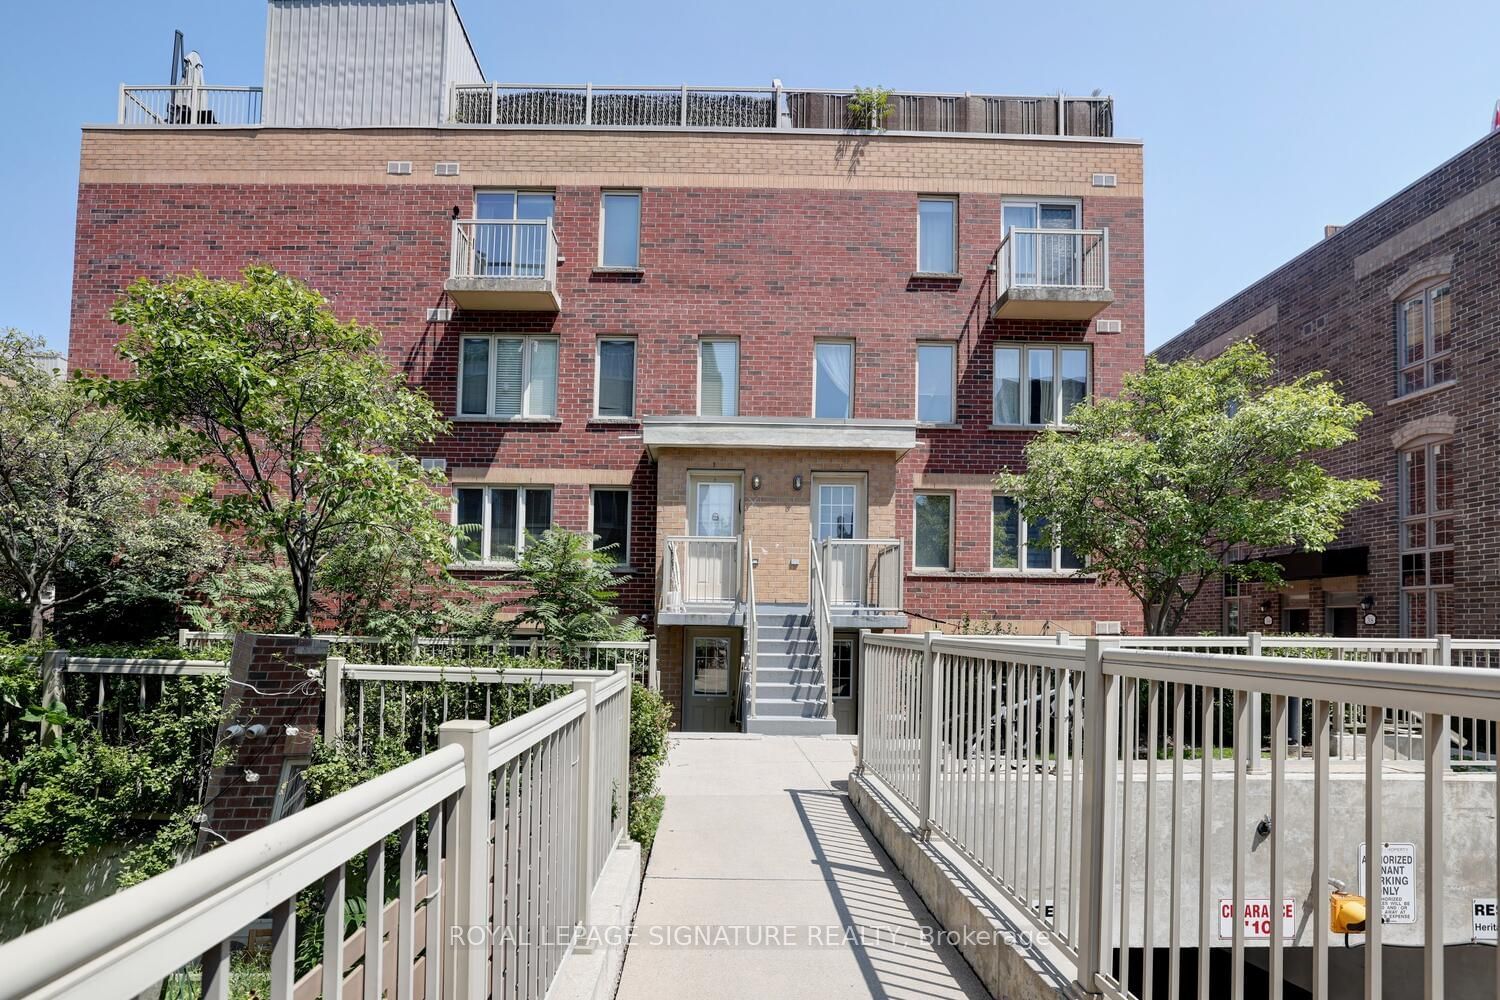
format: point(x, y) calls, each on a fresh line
point(755, 481)
point(797, 483)
point(1367, 603)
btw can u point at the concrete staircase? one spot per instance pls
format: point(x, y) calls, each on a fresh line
point(790, 689)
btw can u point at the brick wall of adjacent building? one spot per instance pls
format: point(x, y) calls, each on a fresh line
point(776, 240)
point(1333, 309)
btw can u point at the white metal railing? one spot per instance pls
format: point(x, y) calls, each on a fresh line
point(188, 105)
point(752, 638)
point(478, 912)
point(822, 623)
point(507, 249)
point(1027, 759)
point(1052, 258)
point(701, 570)
point(863, 573)
point(533, 105)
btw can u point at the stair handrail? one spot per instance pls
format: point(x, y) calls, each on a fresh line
point(752, 633)
point(822, 623)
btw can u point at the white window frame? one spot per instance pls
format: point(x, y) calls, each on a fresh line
point(839, 644)
point(1023, 402)
point(853, 360)
point(738, 359)
point(489, 384)
point(952, 518)
point(1023, 548)
point(1425, 292)
point(635, 367)
point(622, 557)
point(486, 508)
point(952, 199)
point(1076, 204)
point(1428, 520)
point(952, 349)
point(640, 206)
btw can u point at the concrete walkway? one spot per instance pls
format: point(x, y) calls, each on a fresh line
point(765, 883)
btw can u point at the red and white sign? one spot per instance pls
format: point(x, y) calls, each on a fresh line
point(1257, 916)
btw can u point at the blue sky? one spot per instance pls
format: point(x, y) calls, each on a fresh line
point(1262, 121)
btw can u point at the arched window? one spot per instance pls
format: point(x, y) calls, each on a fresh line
point(1424, 337)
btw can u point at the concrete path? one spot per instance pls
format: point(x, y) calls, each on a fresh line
point(764, 883)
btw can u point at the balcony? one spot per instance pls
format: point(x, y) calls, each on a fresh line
point(506, 265)
point(700, 579)
point(1059, 274)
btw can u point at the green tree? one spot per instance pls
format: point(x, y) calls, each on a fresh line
point(571, 591)
point(1191, 459)
point(304, 423)
point(86, 514)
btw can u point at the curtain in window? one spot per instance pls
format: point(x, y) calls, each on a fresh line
point(935, 384)
point(476, 375)
point(542, 385)
point(1039, 386)
point(718, 388)
point(1075, 380)
point(502, 525)
point(1008, 385)
point(835, 380)
point(622, 230)
point(508, 367)
point(616, 378)
point(935, 235)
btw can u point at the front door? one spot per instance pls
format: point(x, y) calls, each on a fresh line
point(710, 682)
point(839, 515)
point(711, 571)
point(1343, 623)
point(841, 686)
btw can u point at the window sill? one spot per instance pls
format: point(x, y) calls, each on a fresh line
point(616, 421)
point(482, 567)
point(1031, 427)
point(923, 425)
point(1431, 390)
point(936, 276)
point(470, 418)
point(999, 574)
point(602, 269)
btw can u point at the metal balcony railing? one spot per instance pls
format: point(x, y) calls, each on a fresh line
point(863, 574)
point(188, 105)
point(1052, 258)
point(701, 570)
point(505, 248)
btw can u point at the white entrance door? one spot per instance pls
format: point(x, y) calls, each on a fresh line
point(711, 572)
point(839, 514)
point(710, 683)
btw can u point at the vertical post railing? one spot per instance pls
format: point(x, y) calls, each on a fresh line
point(1104, 248)
point(1101, 702)
point(469, 866)
point(333, 698)
point(928, 748)
point(589, 734)
point(1252, 751)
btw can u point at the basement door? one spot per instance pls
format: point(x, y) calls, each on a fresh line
point(709, 688)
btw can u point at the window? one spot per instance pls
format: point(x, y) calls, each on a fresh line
point(843, 668)
point(1039, 258)
point(937, 235)
point(1056, 379)
point(833, 387)
point(615, 379)
point(610, 523)
point(512, 251)
point(718, 378)
point(935, 383)
point(512, 377)
point(710, 666)
point(1427, 540)
point(1424, 331)
point(495, 522)
point(620, 239)
point(1017, 543)
point(934, 531)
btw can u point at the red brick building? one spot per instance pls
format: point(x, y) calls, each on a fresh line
point(710, 326)
point(1402, 308)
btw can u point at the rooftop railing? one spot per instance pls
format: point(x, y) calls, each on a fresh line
point(547, 105)
point(187, 105)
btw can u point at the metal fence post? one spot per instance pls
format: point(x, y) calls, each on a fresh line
point(467, 936)
point(587, 756)
point(651, 678)
point(1252, 757)
point(859, 706)
point(54, 665)
point(333, 698)
point(928, 740)
point(1101, 720)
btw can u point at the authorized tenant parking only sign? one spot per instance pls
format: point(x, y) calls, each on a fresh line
point(1398, 882)
point(1257, 916)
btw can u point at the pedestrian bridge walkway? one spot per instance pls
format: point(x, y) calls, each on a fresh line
point(764, 882)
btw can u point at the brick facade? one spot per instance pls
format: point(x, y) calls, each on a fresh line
point(1334, 308)
point(775, 240)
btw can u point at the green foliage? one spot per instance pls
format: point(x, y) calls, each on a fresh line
point(1156, 486)
point(571, 591)
point(246, 596)
point(306, 427)
point(650, 719)
point(869, 107)
point(84, 510)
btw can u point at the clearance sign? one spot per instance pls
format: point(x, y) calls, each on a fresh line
point(1256, 914)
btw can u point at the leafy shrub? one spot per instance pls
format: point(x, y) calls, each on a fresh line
point(650, 717)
